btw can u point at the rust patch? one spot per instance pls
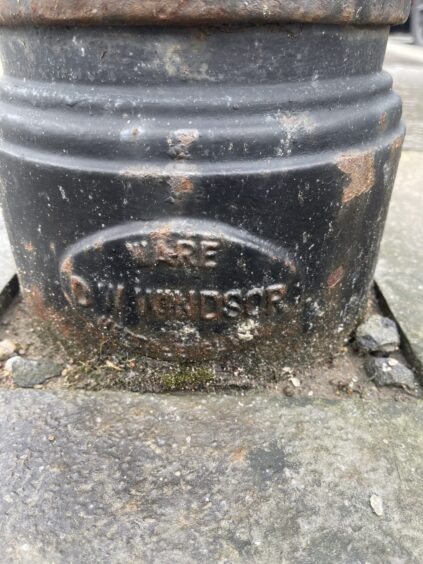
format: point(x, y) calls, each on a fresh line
point(394, 155)
point(336, 277)
point(162, 233)
point(67, 267)
point(391, 164)
point(383, 120)
point(35, 298)
point(181, 187)
point(29, 247)
point(397, 144)
point(66, 326)
point(360, 168)
point(238, 455)
point(98, 12)
point(34, 294)
point(348, 13)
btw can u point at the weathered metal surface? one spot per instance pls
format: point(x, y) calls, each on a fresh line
point(18, 12)
point(186, 193)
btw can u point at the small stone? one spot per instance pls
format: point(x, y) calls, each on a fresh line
point(389, 372)
point(376, 504)
point(295, 382)
point(377, 334)
point(7, 349)
point(29, 373)
point(289, 391)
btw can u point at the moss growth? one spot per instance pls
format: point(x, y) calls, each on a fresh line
point(191, 377)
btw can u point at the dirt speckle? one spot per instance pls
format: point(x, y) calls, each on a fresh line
point(67, 266)
point(29, 247)
point(383, 120)
point(239, 455)
point(376, 504)
point(181, 186)
point(336, 277)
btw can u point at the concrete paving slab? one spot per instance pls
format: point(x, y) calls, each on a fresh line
point(399, 273)
point(405, 63)
point(8, 280)
point(119, 478)
point(7, 263)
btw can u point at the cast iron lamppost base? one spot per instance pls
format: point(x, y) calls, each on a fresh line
point(191, 180)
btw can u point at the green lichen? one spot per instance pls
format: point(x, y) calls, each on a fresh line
point(189, 377)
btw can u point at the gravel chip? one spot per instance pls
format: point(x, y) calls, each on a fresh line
point(390, 372)
point(377, 334)
point(376, 504)
point(7, 349)
point(29, 373)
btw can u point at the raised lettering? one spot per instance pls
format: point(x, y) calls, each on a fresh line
point(209, 250)
point(158, 303)
point(164, 253)
point(81, 291)
point(275, 295)
point(207, 305)
point(232, 303)
point(138, 251)
point(186, 250)
point(175, 253)
point(186, 305)
point(254, 301)
point(140, 302)
point(210, 305)
point(108, 291)
point(119, 303)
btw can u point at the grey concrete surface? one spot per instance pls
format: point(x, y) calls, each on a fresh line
point(7, 263)
point(113, 477)
point(404, 62)
point(400, 269)
point(399, 273)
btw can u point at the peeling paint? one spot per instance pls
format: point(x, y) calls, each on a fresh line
point(296, 122)
point(181, 187)
point(29, 247)
point(246, 330)
point(180, 142)
point(383, 121)
point(360, 168)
